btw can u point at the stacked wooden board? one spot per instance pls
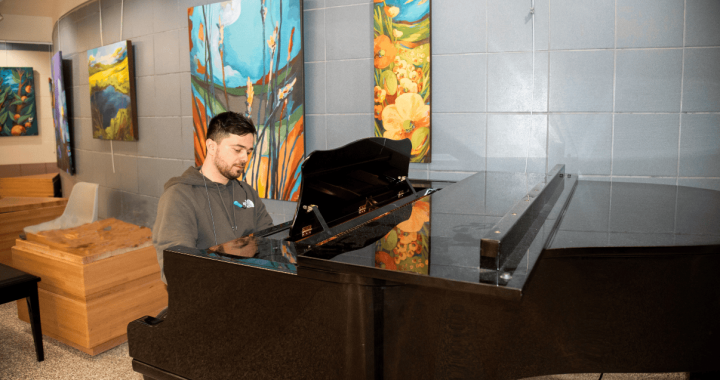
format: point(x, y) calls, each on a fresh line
point(96, 279)
point(38, 185)
point(17, 213)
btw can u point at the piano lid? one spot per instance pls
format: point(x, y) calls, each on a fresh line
point(430, 238)
point(343, 183)
point(622, 214)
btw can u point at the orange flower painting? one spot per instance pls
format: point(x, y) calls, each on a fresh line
point(402, 73)
point(407, 247)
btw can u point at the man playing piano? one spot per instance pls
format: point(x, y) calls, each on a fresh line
point(207, 206)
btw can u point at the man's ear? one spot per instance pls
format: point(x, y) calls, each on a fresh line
point(211, 146)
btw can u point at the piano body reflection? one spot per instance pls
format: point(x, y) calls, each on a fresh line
point(498, 276)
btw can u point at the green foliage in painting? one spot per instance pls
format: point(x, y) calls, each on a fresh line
point(17, 102)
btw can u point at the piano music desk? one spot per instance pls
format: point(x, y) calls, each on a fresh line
point(96, 279)
point(17, 213)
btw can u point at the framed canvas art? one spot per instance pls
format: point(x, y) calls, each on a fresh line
point(246, 56)
point(112, 92)
point(17, 102)
point(402, 73)
point(63, 144)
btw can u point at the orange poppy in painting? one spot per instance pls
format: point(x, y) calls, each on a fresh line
point(407, 117)
point(420, 215)
point(378, 111)
point(384, 258)
point(384, 52)
point(392, 11)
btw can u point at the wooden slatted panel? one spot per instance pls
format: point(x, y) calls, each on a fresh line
point(17, 213)
point(39, 185)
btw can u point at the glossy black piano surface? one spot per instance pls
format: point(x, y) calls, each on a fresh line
point(519, 275)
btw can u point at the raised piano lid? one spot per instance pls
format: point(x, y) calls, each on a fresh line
point(343, 183)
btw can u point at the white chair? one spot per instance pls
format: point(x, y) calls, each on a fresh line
point(82, 207)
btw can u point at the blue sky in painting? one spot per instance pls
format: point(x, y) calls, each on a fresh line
point(106, 54)
point(409, 12)
point(7, 75)
point(243, 39)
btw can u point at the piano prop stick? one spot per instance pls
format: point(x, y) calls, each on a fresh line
point(561, 293)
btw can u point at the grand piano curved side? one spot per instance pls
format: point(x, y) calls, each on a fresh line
point(528, 275)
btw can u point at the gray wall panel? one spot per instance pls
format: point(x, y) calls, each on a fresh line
point(608, 90)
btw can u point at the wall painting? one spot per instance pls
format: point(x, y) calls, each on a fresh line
point(17, 102)
point(402, 73)
point(112, 92)
point(246, 56)
point(63, 146)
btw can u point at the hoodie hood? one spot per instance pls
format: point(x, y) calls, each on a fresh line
point(191, 177)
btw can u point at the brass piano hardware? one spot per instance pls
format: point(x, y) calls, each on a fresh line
point(401, 193)
point(362, 209)
point(309, 208)
point(306, 230)
point(497, 232)
point(514, 213)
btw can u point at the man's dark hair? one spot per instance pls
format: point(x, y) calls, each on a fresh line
point(228, 123)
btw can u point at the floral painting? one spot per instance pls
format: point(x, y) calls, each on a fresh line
point(246, 56)
point(112, 92)
point(402, 73)
point(407, 247)
point(17, 102)
point(63, 148)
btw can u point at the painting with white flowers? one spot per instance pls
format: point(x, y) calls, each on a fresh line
point(402, 73)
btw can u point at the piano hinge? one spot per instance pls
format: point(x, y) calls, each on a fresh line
point(362, 209)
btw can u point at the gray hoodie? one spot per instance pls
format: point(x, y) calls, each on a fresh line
point(191, 215)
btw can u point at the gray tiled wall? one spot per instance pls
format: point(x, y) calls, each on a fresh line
point(625, 90)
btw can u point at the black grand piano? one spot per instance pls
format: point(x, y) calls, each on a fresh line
point(497, 276)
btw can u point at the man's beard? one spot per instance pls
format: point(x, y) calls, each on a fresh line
point(226, 170)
